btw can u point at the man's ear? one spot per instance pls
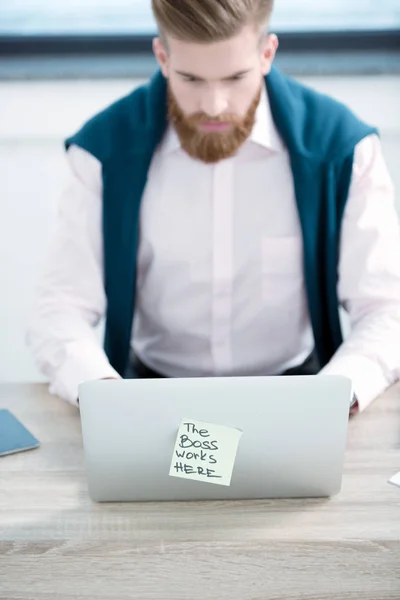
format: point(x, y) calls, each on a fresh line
point(268, 51)
point(161, 54)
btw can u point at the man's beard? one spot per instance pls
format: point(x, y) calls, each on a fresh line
point(211, 147)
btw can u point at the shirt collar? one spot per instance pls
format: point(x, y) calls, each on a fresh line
point(264, 132)
point(170, 142)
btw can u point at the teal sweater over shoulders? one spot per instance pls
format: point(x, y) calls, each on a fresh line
point(320, 135)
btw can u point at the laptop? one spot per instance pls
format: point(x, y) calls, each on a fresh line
point(274, 437)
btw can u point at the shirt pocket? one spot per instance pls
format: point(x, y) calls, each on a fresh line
point(282, 269)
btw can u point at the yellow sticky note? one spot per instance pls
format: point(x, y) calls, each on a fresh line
point(205, 452)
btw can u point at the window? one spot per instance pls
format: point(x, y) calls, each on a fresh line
point(127, 17)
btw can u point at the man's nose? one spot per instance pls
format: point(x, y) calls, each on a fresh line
point(214, 103)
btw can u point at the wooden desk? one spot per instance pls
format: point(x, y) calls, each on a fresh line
point(56, 545)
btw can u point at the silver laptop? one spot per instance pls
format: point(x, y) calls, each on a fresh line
point(292, 433)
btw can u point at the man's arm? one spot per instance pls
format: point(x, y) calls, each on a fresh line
point(369, 278)
point(71, 298)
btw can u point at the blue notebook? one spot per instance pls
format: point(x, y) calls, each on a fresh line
point(14, 437)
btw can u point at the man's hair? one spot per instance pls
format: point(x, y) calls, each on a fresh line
point(207, 21)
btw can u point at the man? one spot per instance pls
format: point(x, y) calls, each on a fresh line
point(231, 211)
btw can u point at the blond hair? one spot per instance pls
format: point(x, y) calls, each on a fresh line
point(207, 21)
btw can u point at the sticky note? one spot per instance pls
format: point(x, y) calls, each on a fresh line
point(395, 480)
point(205, 452)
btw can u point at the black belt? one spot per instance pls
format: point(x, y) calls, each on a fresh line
point(139, 370)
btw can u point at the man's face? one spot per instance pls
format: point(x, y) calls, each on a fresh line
point(214, 90)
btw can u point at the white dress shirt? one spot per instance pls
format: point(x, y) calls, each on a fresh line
point(220, 288)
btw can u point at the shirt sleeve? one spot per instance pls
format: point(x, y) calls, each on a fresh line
point(70, 299)
point(369, 278)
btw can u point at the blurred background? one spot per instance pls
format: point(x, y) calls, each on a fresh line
point(63, 60)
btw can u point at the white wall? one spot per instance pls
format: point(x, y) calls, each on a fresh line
point(36, 117)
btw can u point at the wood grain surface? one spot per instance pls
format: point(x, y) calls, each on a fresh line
point(55, 544)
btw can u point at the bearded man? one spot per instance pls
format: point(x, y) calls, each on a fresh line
point(218, 218)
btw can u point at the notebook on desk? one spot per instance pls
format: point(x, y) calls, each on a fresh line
point(14, 437)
